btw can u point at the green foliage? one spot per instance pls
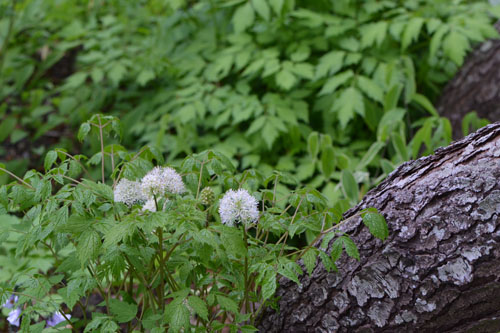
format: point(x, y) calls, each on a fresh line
point(252, 79)
point(174, 266)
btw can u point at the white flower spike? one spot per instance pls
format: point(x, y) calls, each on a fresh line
point(128, 192)
point(238, 206)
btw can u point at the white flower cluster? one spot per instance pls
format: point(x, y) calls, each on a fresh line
point(160, 181)
point(128, 192)
point(238, 206)
point(156, 183)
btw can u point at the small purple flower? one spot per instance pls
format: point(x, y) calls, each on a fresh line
point(10, 302)
point(56, 318)
point(14, 317)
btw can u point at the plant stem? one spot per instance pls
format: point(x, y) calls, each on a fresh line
point(102, 147)
point(16, 177)
point(245, 299)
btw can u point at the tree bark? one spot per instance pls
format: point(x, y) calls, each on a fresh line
point(476, 87)
point(439, 269)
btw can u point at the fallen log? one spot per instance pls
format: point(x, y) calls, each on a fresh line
point(439, 269)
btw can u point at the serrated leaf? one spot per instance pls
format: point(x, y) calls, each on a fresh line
point(123, 312)
point(411, 31)
point(285, 79)
point(373, 34)
point(370, 88)
point(376, 224)
point(262, 8)
point(303, 70)
point(336, 251)
point(177, 315)
point(329, 64)
point(309, 259)
point(199, 306)
point(336, 81)
point(88, 246)
point(350, 186)
point(227, 304)
point(349, 102)
point(350, 247)
point(455, 46)
point(436, 40)
point(50, 158)
point(243, 17)
point(83, 131)
point(269, 285)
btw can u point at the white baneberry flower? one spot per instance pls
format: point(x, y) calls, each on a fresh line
point(173, 180)
point(9, 304)
point(56, 318)
point(128, 192)
point(14, 317)
point(160, 181)
point(238, 206)
point(149, 205)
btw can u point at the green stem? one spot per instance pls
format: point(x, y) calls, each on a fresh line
point(247, 307)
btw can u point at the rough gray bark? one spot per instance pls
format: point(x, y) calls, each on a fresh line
point(476, 87)
point(439, 270)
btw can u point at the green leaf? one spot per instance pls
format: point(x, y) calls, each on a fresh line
point(243, 17)
point(75, 80)
point(145, 76)
point(50, 158)
point(303, 70)
point(309, 259)
point(350, 247)
point(116, 73)
point(262, 8)
point(312, 144)
point(336, 251)
point(83, 131)
point(199, 306)
point(6, 127)
point(425, 103)
point(399, 145)
point(233, 242)
point(285, 79)
point(123, 312)
point(350, 101)
point(277, 6)
point(436, 40)
point(269, 285)
point(370, 88)
point(373, 33)
point(455, 46)
point(327, 161)
point(177, 315)
point(336, 81)
point(350, 186)
point(227, 304)
point(411, 32)
point(370, 155)
point(376, 224)
point(88, 246)
point(329, 64)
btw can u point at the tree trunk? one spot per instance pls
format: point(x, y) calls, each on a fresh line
point(476, 87)
point(439, 269)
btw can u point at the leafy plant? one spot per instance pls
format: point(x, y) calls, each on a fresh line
point(159, 249)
